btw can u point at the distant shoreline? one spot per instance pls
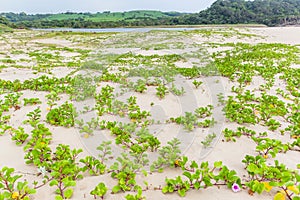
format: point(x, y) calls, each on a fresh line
point(149, 28)
point(203, 25)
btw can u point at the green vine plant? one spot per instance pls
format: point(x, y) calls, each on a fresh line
point(63, 115)
point(93, 165)
point(52, 99)
point(37, 150)
point(12, 100)
point(125, 170)
point(13, 187)
point(59, 168)
point(138, 196)
point(4, 119)
point(270, 147)
point(231, 135)
point(201, 177)
point(34, 117)
point(81, 88)
point(246, 108)
point(178, 92)
point(105, 151)
point(99, 191)
point(264, 177)
point(161, 91)
point(134, 112)
point(140, 86)
point(208, 140)
point(31, 101)
point(190, 120)
point(65, 171)
point(169, 155)
point(19, 135)
point(197, 83)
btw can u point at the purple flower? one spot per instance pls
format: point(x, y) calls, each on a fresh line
point(235, 187)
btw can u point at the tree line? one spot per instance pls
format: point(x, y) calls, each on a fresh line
point(268, 12)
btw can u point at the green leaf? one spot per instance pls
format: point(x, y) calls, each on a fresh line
point(146, 183)
point(171, 189)
point(259, 187)
point(7, 195)
point(289, 183)
point(218, 164)
point(58, 197)
point(273, 154)
point(160, 170)
point(70, 183)
point(165, 189)
point(204, 165)
point(252, 168)
point(116, 189)
point(207, 181)
point(194, 165)
point(145, 173)
point(53, 182)
point(68, 193)
point(140, 191)
point(20, 186)
point(197, 185)
point(115, 166)
point(182, 192)
point(188, 175)
point(31, 191)
point(273, 183)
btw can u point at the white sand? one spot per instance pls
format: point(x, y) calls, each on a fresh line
point(172, 106)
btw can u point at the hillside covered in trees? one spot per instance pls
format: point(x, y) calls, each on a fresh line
point(268, 12)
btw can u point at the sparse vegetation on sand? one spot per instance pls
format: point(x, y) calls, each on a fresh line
point(143, 116)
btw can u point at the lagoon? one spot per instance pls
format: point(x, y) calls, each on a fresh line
point(107, 30)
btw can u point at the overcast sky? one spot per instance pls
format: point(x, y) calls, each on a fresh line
point(58, 6)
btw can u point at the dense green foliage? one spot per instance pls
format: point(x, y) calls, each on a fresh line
point(268, 12)
point(4, 23)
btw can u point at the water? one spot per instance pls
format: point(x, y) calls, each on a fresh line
point(106, 30)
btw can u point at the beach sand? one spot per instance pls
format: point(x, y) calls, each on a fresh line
point(231, 153)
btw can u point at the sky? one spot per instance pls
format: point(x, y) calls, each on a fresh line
point(59, 6)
